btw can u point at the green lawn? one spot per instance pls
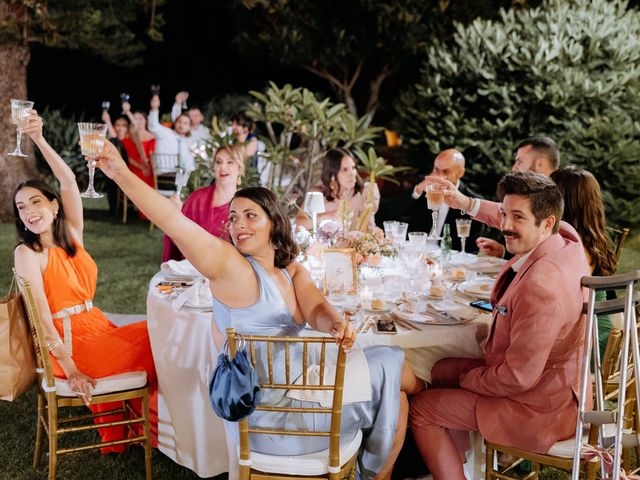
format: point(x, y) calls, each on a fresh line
point(127, 256)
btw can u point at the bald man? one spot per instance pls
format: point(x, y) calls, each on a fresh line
point(448, 164)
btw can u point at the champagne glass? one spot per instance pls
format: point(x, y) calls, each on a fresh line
point(182, 177)
point(19, 110)
point(105, 105)
point(124, 98)
point(435, 199)
point(92, 138)
point(463, 227)
point(155, 90)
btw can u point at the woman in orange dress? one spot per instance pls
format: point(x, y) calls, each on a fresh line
point(83, 343)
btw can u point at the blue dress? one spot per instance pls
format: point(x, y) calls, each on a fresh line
point(376, 418)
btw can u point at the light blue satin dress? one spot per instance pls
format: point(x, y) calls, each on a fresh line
point(376, 418)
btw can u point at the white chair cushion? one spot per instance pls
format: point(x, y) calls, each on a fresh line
point(565, 448)
point(110, 384)
point(306, 465)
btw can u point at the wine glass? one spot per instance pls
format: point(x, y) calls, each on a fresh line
point(435, 199)
point(105, 105)
point(155, 90)
point(182, 177)
point(92, 138)
point(19, 111)
point(463, 228)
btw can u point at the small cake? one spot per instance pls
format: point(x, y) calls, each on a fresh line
point(458, 274)
point(377, 304)
point(485, 287)
point(436, 291)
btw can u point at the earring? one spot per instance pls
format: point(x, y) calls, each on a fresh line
point(25, 228)
point(239, 182)
point(55, 215)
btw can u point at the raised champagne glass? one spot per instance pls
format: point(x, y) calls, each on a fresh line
point(19, 111)
point(92, 138)
point(435, 199)
point(463, 228)
point(182, 178)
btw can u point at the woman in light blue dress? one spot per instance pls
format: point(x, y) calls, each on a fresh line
point(259, 289)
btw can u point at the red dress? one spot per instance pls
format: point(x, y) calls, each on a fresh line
point(148, 146)
point(199, 208)
point(99, 348)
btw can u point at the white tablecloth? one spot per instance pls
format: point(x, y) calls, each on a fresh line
point(185, 356)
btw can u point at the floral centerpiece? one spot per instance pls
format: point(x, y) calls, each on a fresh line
point(369, 246)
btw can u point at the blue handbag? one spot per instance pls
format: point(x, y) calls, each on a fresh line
point(234, 390)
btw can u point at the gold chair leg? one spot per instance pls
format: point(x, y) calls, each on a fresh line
point(489, 463)
point(245, 472)
point(125, 208)
point(53, 436)
point(37, 452)
point(147, 435)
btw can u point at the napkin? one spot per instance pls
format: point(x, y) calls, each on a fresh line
point(357, 383)
point(487, 264)
point(198, 295)
point(454, 310)
point(182, 267)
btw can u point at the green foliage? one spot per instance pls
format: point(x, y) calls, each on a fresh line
point(374, 166)
point(110, 30)
point(300, 129)
point(570, 70)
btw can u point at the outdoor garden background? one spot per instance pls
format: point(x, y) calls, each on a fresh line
point(478, 75)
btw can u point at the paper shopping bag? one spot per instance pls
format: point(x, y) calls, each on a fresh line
point(17, 361)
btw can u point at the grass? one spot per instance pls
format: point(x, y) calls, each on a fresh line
point(127, 257)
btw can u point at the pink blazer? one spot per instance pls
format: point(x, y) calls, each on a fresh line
point(529, 381)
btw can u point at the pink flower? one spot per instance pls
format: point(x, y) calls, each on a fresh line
point(359, 258)
point(374, 260)
point(354, 236)
point(315, 250)
point(378, 233)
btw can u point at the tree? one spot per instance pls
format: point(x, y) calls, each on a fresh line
point(570, 70)
point(107, 29)
point(356, 46)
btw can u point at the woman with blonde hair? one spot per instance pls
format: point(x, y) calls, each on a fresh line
point(209, 206)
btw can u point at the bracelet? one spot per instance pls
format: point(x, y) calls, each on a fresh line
point(55, 344)
point(472, 203)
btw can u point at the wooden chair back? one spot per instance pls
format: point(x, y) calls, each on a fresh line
point(335, 385)
point(618, 237)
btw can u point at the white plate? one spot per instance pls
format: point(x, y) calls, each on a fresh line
point(479, 288)
point(490, 265)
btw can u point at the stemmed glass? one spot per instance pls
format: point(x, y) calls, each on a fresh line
point(463, 228)
point(182, 177)
point(435, 199)
point(19, 109)
point(92, 138)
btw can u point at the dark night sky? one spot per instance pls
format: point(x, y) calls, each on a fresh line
point(196, 55)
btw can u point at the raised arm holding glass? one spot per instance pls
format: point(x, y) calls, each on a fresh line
point(258, 289)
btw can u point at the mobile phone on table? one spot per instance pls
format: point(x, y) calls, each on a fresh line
point(386, 326)
point(482, 305)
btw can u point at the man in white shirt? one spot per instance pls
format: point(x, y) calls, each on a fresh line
point(199, 132)
point(449, 164)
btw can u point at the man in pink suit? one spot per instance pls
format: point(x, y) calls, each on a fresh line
point(525, 392)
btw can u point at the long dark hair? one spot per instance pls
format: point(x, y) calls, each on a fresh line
point(281, 236)
point(32, 240)
point(584, 210)
point(331, 165)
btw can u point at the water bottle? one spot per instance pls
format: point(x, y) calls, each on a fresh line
point(445, 244)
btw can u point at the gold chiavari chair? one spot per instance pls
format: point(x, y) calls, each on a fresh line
point(618, 237)
point(54, 394)
point(339, 460)
point(561, 454)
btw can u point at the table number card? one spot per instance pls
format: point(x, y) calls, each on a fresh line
point(340, 271)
